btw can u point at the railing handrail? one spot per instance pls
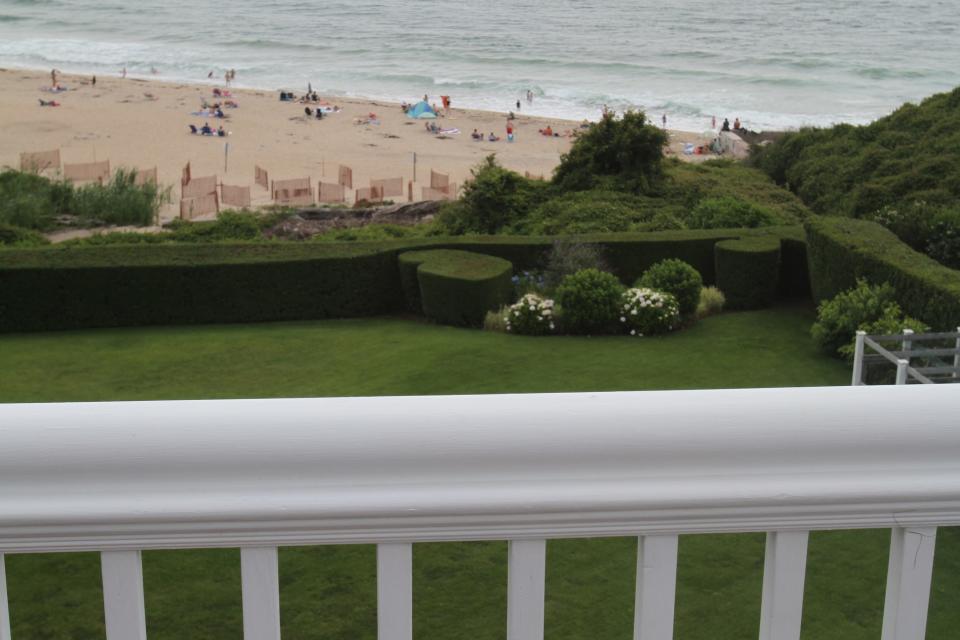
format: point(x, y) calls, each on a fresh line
point(135, 475)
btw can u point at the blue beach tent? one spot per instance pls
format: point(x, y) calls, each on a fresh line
point(421, 111)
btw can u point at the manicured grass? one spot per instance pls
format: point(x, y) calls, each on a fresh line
point(460, 589)
point(769, 348)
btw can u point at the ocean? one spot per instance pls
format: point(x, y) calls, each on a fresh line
point(775, 64)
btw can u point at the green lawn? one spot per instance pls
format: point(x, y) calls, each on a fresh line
point(460, 589)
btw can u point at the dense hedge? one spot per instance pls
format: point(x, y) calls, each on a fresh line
point(57, 287)
point(49, 289)
point(747, 271)
point(456, 287)
point(843, 249)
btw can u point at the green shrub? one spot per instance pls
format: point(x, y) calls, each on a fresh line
point(495, 320)
point(943, 241)
point(591, 301)
point(729, 213)
point(646, 312)
point(584, 212)
point(493, 199)
point(841, 250)
point(866, 307)
point(458, 287)
point(891, 322)
point(31, 201)
point(531, 315)
point(11, 236)
point(120, 202)
point(677, 278)
point(748, 270)
point(711, 302)
point(623, 153)
point(376, 232)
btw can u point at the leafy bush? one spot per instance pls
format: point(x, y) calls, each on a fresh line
point(943, 241)
point(866, 307)
point(891, 321)
point(532, 315)
point(583, 212)
point(729, 213)
point(711, 302)
point(677, 278)
point(12, 236)
point(591, 301)
point(623, 153)
point(377, 232)
point(567, 257)
point(647, 312)
point(748, 271)
point(493, 199)
point(31, 201)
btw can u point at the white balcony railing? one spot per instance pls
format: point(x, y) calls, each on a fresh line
point(258, 474)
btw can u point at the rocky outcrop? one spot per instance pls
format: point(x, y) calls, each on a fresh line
point(316, 220)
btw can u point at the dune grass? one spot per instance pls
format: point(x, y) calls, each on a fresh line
point(459, 588)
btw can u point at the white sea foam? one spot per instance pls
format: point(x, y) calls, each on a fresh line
point(774, 65)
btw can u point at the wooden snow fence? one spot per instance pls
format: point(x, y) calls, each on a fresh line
point(185, 176)
point(429, 193)
point(146, 175)
point(40, 161)
point(261, 177)
point(191, 208)
point(294, 192)
point(368, 194)
point(235, 196)
point(98, 172)
point(439, 181)
point(345, 177)
point(199, 187)
point(327, 192)
point(388, 188)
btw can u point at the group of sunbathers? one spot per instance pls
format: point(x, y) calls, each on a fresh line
point(207, 130)
point(478, 135)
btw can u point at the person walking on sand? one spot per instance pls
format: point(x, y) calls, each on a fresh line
point(518, 105)
point(123, 74)
point(664, 121)
point(713, 123)
point(53, 78)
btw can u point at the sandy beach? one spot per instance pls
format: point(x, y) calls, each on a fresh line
point(144, 124)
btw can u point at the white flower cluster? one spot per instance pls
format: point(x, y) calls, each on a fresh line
point(531, 314)
point(648, 311)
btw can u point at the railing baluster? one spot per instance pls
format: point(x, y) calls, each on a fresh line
point(395, 591)
point(526, 577)
point(908, 583)
point(784, 571)
point(656, 587)
point(123, 612)
point(260, 576)
point(4, 606)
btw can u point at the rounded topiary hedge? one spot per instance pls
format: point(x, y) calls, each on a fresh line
point(455, 287)
point(748, 271)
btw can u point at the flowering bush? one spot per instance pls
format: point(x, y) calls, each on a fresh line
point(590, 301)
point(646, 312)
point(530, 316)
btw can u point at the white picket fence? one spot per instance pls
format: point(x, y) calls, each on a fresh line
point(258, 474)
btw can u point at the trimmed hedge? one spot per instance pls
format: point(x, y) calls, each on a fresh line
point(60, 287)
point(112, 286)
point(747, 271)
point(843, 249)
point(456, 287)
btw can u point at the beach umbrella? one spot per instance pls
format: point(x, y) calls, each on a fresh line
point(421, 111)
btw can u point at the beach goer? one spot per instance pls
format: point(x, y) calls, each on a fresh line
point(529, 96)
point(154, 71)
point(476, 135)
point(509, 131)
point(308, 111)
point(233, 75)
point(319, 113)
point(446, 102)
point(210, 76)
point(123, 74)
point(206, 130)
point(518, 105)
point(493, 138)
point(53, 78)
point(221, 132)
point(713, 122)
point(664, 121)
point(726, 125)
point(736, 124)
point(93, 81)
